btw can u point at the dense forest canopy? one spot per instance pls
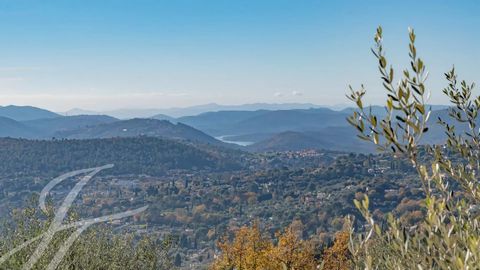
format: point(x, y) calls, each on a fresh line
point(139, 155)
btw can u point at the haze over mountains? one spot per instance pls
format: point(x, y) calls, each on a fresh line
point(193, 110)
point(276, 129)
point(264, 121)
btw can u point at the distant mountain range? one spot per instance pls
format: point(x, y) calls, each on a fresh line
point(298, 129)
point(193, 110)
point(263, 121)
point(93, 126)
point(261, 130)
point(25, 113)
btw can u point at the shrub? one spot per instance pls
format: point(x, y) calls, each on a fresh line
point(98, 248)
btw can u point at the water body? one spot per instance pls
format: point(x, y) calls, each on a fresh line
point(224, 139)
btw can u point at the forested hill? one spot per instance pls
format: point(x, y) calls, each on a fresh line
point(12, 128)
point(25, 113)
point(140, 155)
point(139, 127)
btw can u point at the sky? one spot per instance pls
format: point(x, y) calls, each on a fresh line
point(110, 54)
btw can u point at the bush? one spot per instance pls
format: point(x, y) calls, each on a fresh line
point(98, 248)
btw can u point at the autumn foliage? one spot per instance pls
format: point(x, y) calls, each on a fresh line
point(251, 250)
point(338, 256)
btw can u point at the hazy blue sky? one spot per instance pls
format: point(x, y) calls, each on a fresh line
point(101, 54)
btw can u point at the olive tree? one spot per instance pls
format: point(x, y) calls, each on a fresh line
point(448, 237)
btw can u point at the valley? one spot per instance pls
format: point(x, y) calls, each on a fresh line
point(255, 130)
point(198, 192)
point(300, 166)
